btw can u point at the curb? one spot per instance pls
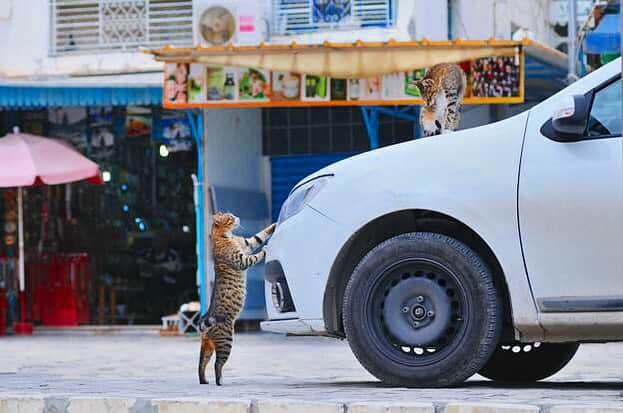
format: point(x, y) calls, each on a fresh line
point(92, 405)
point(204, 406)
point(294, 406)
point(378, 407)
point(24, 404)
point(605, 408)
point(459, 407)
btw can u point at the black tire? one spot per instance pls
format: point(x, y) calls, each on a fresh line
point(439, 273)
point(526, 363)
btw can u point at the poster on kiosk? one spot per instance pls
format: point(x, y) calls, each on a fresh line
point(496, 79)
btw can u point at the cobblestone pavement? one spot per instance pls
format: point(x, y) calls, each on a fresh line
point(265, 366)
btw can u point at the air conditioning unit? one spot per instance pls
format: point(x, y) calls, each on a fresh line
point(220, 22)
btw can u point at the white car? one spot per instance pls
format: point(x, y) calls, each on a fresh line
point(494, 250)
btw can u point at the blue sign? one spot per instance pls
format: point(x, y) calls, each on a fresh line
point(331, 11)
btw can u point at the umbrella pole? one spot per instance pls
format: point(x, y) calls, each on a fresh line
point(20, 236)
point(22, 327)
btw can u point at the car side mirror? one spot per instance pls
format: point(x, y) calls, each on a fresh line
point(569, 120)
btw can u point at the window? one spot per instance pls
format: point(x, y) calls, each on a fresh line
point(96, 25)
point(304, 131)
point(301, 16)
point(605, 116)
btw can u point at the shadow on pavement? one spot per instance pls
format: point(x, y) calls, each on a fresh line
point(480, 384)
point(549, 385)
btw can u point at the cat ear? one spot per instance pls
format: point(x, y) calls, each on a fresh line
point(217, 219)
point(424, 84)
point(428, 83)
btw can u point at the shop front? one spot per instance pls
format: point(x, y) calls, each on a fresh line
point(120, 253)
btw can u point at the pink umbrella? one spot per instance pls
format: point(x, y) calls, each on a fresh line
point(27, 160)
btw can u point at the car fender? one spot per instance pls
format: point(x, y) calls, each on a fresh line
point(469, 175)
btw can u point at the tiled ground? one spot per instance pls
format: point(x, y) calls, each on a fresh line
point(264, 366)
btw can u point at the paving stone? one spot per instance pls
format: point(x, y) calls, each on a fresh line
point(100, 405)
point(21, 405)
point(463, 407)
point(201, 406)
point(296, 406)
point(265, 366)
point(389, 407)
point(586, 409)
point(56, 405)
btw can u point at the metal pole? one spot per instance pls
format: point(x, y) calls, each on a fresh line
point(200, 247)
point(20, 234)
point(371, 120)
point(21, 327)
point(572, 39)
point(450, 31)
point(196, 124)
point(20, 259)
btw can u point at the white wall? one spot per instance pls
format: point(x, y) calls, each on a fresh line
point(472, 19)
point(430, 18)
point(25, 46)
point(534, 16)
point(482, 19)
point(24, 49)
point(24, 30)
point(415, 19)
point(233, 148)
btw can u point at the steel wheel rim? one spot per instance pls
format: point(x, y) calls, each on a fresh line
point(383, 332)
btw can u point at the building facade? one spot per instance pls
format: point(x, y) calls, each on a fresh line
point(76, 52)
point(69, 38)
point(73, 70)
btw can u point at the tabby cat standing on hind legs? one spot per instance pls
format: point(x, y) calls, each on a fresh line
point(233, 255)
point(442, 88)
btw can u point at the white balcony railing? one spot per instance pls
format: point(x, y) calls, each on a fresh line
point(118, 25)
point(304, 16)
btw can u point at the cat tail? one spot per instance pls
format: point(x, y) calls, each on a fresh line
point(207, 349)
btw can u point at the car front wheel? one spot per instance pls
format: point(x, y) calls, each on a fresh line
point(421, 310)
point(525, 363)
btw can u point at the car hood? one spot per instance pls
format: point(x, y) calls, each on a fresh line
point(450, 174)
point(436, 151)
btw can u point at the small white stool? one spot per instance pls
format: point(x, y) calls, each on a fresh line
point(188, 317)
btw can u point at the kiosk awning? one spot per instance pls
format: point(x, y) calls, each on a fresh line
point(343, 60)
point(118, 90)
point(341, 74)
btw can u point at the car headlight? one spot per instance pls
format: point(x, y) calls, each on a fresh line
point(301, 196)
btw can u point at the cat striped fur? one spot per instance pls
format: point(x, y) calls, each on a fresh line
point(443, 89)
point(233, 255)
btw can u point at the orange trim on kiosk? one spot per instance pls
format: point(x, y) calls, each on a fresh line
point(304, 103)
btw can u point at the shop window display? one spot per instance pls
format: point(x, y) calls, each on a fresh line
point(8, 253)
point(137, 229)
